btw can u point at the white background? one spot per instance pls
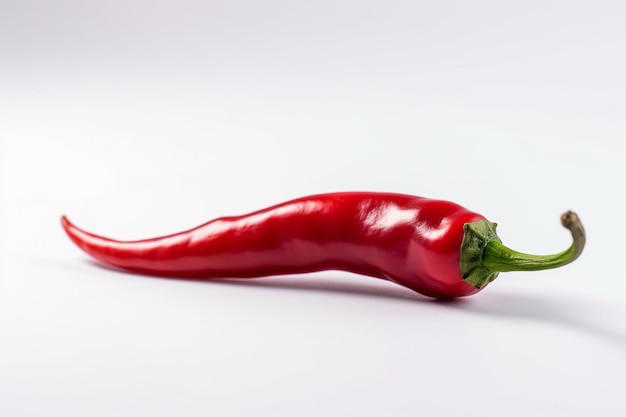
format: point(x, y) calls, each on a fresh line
point(144, 118)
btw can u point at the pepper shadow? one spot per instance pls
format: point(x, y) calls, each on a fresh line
point(370, 287)
point(588, 316)
point(566, 311)
point(584, 316)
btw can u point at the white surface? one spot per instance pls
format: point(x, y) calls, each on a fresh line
point(144, 119)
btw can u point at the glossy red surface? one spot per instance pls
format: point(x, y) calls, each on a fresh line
point(412, 241)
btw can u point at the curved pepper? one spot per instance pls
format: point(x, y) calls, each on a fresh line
point(434, 247)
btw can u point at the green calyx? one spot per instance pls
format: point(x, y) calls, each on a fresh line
point(483, 255)
point(476, 237)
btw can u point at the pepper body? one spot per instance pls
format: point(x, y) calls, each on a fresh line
point(412, 241)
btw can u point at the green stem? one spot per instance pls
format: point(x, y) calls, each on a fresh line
point(499, 258)
point(483, 255)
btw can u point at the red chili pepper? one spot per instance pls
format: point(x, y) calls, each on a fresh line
point(434, 247)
